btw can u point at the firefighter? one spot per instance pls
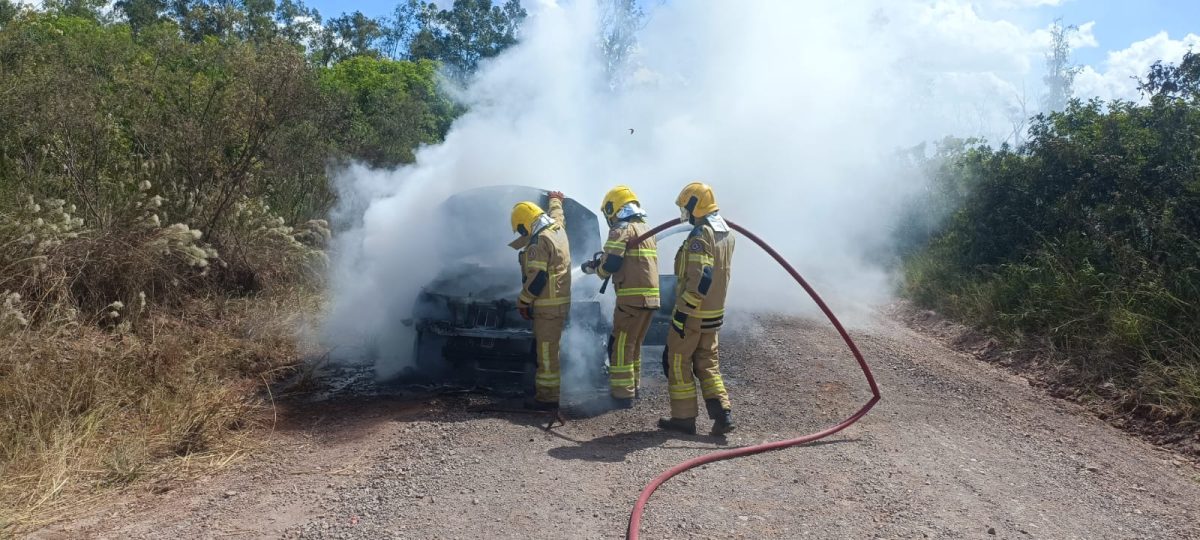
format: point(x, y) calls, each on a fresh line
point(545, 295)
point(702, 272)
point(634, 274)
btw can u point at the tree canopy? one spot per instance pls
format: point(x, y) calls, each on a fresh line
point(214, 101)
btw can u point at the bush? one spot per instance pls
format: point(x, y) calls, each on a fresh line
point(385, 109)
point(163, 185)
point(149, 278)
point(1085, 239)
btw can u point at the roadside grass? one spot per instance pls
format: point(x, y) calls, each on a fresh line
point(134, 350)
point(87, 410)
point(1128, 337)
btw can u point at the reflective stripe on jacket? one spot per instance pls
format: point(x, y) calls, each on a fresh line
point(636, 277)
point(548, 252)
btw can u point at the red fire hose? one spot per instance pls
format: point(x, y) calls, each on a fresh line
point(635, 518)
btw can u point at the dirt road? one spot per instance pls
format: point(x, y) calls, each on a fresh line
point(956, 449)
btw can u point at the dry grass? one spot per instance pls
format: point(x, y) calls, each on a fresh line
point(131, 351)
point(86, 410)
point(134, 349)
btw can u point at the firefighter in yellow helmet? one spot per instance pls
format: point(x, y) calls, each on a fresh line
point(702, 272)
point(546, 290)
point(634, 274)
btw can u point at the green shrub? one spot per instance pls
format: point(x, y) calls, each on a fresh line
point(1087, 238)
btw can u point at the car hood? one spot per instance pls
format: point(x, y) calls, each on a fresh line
point(474, 226)
point(478, 282)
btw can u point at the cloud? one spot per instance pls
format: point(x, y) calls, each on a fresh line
point(1117, 77)
point(952, 36)
point(970, 74)
point(1085, 37)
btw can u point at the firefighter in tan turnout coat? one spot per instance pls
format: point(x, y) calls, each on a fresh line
point(634, 274)
point(546, 290)
point(702, 271)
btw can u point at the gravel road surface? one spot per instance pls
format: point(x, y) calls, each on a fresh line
point(956, 449)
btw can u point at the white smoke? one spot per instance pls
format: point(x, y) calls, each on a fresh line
point(790, 110)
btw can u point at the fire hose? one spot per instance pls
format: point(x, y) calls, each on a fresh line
point(635, 517)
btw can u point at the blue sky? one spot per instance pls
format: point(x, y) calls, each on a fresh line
point(1118, 23)
point(1118, 40)
point(1123, 22)
point(374, 8)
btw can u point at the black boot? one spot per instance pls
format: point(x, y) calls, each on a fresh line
point(722, 417)
point(622, 403)
point(723, 424)
point(682, 425)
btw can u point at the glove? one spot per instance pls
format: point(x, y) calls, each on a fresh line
point(678, 322)
point(526, 312)
point(588, 267)
point(557, 195)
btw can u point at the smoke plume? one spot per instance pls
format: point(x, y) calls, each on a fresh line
point(790, 110)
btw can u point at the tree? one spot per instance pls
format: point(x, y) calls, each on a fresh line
point(1182, 81)
point(252, 20)
point(141, 13)
point(467, 33)
point(348, 36)
point(199, 19)
point(85, 9)
point(385, 109)
point(620, 21)
point(259, 21)
point(406, 22)
point(8, 11)
point(298, 23)
point(1018, 117)
point(425, 45)
point(1060, 73)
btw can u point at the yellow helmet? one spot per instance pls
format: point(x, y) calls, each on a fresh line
point(524, 214)
point(615, 199)
point(696, 200)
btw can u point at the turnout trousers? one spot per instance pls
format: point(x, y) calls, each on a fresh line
point(686, 359)
point(547, 333)
point(630, 325)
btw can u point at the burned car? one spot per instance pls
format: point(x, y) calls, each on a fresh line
point(467, 325)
